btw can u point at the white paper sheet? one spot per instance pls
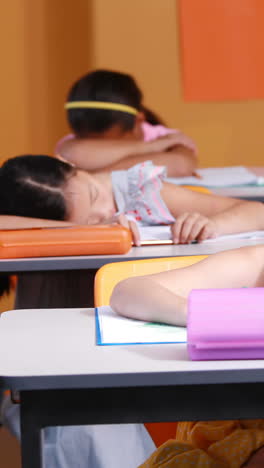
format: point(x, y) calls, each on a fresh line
point(112, 329)
point(220, 177)
point(163, 233)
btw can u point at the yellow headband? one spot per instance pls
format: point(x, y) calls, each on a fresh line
point(100, 105)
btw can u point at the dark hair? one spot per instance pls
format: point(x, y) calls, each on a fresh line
point(106, 86)
point(151, 117)
point(32, 186)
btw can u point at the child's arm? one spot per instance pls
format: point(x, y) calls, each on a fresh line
point(97, 155)
point(179, 161)
point(132, 298)
point(21, 222)
point(200, 216)
point(162, 297)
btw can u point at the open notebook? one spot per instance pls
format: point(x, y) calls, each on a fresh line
point(111, 329)
point(221, 177)
point(162, 235)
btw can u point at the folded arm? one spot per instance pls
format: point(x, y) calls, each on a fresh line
point(162, 297)
point(21, 222)
point(98, 155)
point(180, 162)
point(200, 216)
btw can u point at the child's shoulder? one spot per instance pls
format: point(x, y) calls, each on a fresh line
point(141, 174)
point(137, 193)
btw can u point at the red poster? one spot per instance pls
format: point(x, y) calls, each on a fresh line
point(222, 44)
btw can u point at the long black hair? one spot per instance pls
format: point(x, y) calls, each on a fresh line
point(106, 86)
point(31, 185)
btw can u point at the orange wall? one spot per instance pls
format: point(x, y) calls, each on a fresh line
point(59, 52)
point(46, 44)
point(142, 37)
point(44, 47)
point(14, 129)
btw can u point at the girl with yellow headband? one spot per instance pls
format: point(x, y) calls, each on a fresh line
point(113, 130)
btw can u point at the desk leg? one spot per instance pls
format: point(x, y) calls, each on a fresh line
point(31, 436)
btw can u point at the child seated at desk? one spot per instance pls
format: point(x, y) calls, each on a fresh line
point(113, 130)
point(216, 444)
point(44, 187)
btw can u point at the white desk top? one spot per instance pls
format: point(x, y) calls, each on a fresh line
point(55, 348)
point(136, 253)
point(247, 192)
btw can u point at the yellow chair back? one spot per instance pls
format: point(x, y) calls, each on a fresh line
point(105, 280)
point(197, 188)
point(110, 274)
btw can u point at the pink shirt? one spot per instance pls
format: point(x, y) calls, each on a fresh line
point(150, 132)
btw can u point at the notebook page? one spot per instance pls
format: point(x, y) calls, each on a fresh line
point(112, 329)
point(163, 233)
point(220, 177)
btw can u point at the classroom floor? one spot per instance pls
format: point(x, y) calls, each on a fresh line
point(9, 446)
point(7, 303)
point(9, 450)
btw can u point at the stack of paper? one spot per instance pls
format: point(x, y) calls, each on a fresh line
point(163, 233)
point(112, 329)
point(220, 177)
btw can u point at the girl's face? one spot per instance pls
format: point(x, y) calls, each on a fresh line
point(89, 200)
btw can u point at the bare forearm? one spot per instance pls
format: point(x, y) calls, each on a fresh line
point(183, 163)
point(131, 298)
point(228, 269)
point(180, 200)
point(177, 164)
point(244, 216)
point(162, 296)
point(21, 222)
point(95, 155)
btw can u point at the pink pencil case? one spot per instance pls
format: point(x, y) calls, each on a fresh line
point(226, 324)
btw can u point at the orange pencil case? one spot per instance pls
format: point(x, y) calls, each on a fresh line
point(56, 242)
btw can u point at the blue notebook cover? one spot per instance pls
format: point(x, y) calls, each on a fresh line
point(112, 329)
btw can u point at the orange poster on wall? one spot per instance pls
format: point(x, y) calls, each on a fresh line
point(222, 43)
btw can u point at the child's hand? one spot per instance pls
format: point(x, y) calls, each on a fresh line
point(183, 140)
point(130, 224)
point(171, 140)
point(192, 226)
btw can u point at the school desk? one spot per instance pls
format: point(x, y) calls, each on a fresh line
point(251, 193)
point(247, 192)
point(68, 281)
point(65, 379)
point(84, 262)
